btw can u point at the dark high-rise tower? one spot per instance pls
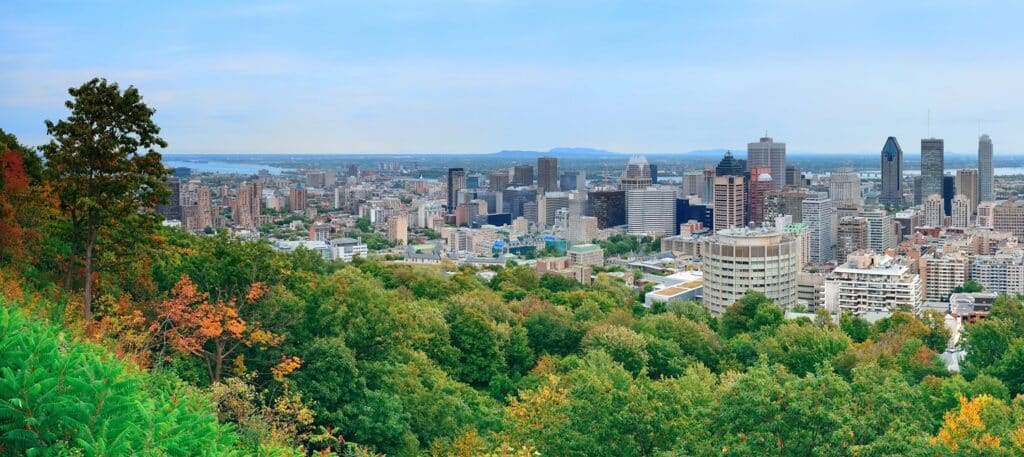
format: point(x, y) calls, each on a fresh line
point(731, 166)
point(985, 193)
point(522, 175)
point(547, 174)
point(892, 173)
point(456, 181)
point(933, 167)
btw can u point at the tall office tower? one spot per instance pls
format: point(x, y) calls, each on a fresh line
point(693, 184)
point(316, 179)
point(918, 196)
point(948, 192)
point(247, 205)
point(547, 174)
point(654, 174)
point(844, 187)
point(688, 210)
point(498, 180)
point(985, 175)
point(651, 211)
point(513, 200)
point(297, 197)
point(708, 196)
point(548, 205)
point(569, 181)
point(759, 185)
point(818, 213)
point(933, 211)
point(581, 181)
point(786, 202)
point(881, 235)
point(730, 198)
point(522, 175)
point(637, 174)
point(741, 259)
point(730, 166)
point(851, 236)
point(352, 171)
point(473, 181)
point(892, 174)
point(961, 214)
point(793, 176)
point(172, 210)
point(609, 207)
point(966, 184)
point(933, 166)
point(456, 182)
point(767, 153)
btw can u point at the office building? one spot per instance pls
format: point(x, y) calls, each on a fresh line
point(802, 237)
point(892, 174)
point(851, 236)
point(548, 206)
point(513, 200)
point(948, 192)
point(872, 283)
point(522, 175)
point(844, 187)
point(793, 177)
point(785, 202)
point(881, 232)
point(637, 175)
point(687, 210)
point(297, 198)
point(651, 211)
point(569, 181)
point(456, 182)
point(547, 174)
point(933, 166)
point(1008, 216)
point(818, 214)
point(498, 180)
point(171, 210)
point(918, 196)
point(767, 153)
point(934, 214)
point(730, 200)
point(985, 213)
point(741, 259)
point(985, 171)
point(966, 184)
point(609, 207)
point(586, 255)
point(731, 166)
point(759, 184)
point(316, 179)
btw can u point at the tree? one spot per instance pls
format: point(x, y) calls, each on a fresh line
point(970, 286)
point(750, 313)
point(103, 164)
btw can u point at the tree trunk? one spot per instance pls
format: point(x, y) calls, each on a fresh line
point(69, 276)
point(218, 361)
point(90, 243)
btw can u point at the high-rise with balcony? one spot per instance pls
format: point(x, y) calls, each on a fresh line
point(547, 174)
point(768, 153)
point(741, 259)
point(892, 173)
point(872, 283)
point(985, 175)
point(933, 166)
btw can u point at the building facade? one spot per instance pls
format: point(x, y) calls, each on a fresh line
point(767, 153)
point(985, 170)
point(892, 174)
point(737, 260)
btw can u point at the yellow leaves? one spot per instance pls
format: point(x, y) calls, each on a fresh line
point(287, 365)
point(256, 291)
point(966, 426)
point(1017, 437)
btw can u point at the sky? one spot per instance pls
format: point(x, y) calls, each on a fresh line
point(386, 76)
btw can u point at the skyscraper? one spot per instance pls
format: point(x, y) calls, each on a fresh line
point(522, 175)
point(793, 177)
point(730, 166)
point(172, 210)
point(759, 184)
point(297, 197)
point(730, 199)
point(985, 193)
point(892, 173)
point(651, 211)
point(948, 192)
point(637, 174)
point(456, 182)
point(933, 166)
point(844, 187)
point(966, 184)
point(931, 208)
point(961, 212)
point(609, 207)
point(547, 174)
point(498, 180)
point(818, 214)
point(737, 260)
point(767, 153)
point(247, 206)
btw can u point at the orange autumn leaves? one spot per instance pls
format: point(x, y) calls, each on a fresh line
point(213, 330)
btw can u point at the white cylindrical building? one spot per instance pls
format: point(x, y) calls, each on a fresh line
point(740, 259)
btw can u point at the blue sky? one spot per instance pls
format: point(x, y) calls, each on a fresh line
point(484, 75)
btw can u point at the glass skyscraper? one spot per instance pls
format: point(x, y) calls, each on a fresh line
point(933, 166)
point(892, 173)
point(985, 193)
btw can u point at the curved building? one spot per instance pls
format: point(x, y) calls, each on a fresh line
point(740, 259)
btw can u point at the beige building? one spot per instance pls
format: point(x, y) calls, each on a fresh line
point(940, 274)
point(966, 184)
point(741, 259)
point(851, 236)
point(1008, 216)
point(934, 213)
point(960, 212)
point(729, 200)
point(586, 255)
point(398, 229)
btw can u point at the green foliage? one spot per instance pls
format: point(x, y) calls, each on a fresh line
point(617, 245)
point(753, 312)
point(969, 287)
point(59, 396)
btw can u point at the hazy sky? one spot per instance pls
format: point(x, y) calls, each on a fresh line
point(484, 75)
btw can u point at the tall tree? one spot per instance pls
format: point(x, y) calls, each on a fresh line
point(103, 164)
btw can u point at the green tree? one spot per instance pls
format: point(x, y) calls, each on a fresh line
point(103, 163)
point(970, 286)
point(750, 313)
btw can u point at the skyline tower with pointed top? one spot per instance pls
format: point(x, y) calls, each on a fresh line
point(892, 173)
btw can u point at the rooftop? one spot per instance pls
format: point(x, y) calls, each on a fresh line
point(584, 248)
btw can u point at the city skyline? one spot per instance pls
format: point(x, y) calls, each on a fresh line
point(468, 77)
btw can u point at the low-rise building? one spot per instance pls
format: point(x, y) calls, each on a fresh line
point(586, 255)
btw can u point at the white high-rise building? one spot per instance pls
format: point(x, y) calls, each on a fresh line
point(768, 153)
point(881, 235)
point(651, 211)
point(741, 259)
point(729, 201)
point(933, 212)
point(818, 214)
point(872, 283)
point(961, 211)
